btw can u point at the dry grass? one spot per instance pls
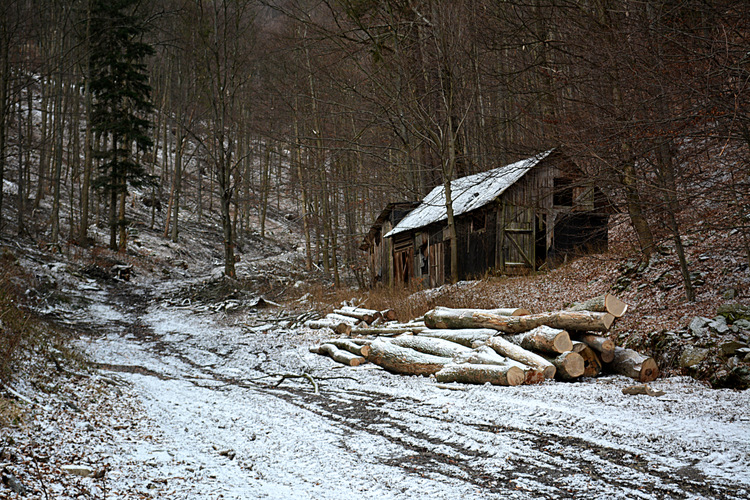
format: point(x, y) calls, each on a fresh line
point(26, 340)
point(10, 413)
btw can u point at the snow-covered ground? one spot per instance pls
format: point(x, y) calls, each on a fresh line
point(186, 405)
point(197, 414)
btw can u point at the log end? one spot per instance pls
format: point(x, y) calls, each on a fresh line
point(649, 370)
point(357, 361)
point(515, 376)
point(615, 306)
point(607, 356)
point(562, 342)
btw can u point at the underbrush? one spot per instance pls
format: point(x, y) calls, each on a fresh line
point(27, 341)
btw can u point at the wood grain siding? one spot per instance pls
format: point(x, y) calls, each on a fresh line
point(527, 217)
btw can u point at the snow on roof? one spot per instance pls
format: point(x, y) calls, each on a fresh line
point(469, 193)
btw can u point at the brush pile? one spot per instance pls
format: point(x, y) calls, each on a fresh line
point(499, 346)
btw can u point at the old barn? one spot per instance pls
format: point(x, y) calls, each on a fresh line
point(517, 217)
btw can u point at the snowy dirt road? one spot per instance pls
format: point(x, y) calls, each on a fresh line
point(216, 427)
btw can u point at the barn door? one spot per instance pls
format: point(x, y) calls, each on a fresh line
point(517, 237)
point(436, 259)
point(403, 258)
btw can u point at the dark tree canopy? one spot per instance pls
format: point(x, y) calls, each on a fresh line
point(121, 92)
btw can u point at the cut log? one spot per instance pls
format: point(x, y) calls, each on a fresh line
point(513, 351)
point(386, 331)
point(348, 345)
point(397, 359)
point(500, 311)
point(388, 314)
point(533, 376)
point(428, 345)
point(443, 317)
point(634, 390)
point(338, 355)
point(337, 326)
point(604, 303)
point(366, 315)
point(569, 365)
point(481, 374)
point(467, 337)
point(604, 346)
point(592, 364)
point(343, 319)
point(485, 355)
point(634, 365)
point(545, 339)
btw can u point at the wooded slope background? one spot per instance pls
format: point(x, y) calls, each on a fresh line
point(326, 110)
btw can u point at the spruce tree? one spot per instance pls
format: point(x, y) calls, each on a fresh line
point(121, 102)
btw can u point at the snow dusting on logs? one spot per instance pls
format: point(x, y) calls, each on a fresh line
point(502, 346)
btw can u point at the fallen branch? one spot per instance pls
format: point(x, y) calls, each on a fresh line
point(307, 376)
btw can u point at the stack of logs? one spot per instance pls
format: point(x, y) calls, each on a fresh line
point(499, 346)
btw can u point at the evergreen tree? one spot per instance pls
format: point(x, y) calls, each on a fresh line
point(121, 102)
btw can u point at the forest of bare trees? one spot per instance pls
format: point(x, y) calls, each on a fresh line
point(339, 106)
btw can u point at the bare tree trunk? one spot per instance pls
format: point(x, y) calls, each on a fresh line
point(177, 181)
point(58, 157)
point(303, 191)
point(669, 186)
point(89, 160)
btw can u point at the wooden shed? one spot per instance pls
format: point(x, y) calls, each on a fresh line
point(513, 218)
point(380, 250)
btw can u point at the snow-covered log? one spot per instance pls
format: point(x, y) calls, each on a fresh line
point(399, 359)
point(513, 351)
point(428, 345)
point(338, 355)
point(366, 315)
point(485, 355)
point(481, 374)
point(443, 317)
point(349, 345)
point(387, 330)
point(468, 337)
point(339, 327)
point(343, 319)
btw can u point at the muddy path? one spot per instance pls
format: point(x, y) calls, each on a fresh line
point(209, 383)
